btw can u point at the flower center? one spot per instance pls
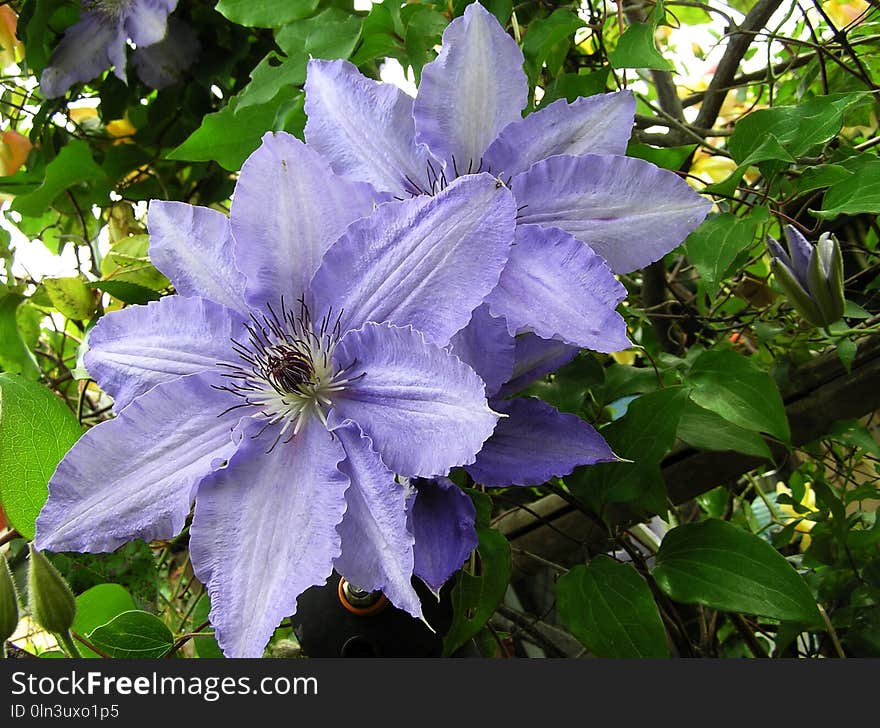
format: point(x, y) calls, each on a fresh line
point(286, 371)
point(110, 9)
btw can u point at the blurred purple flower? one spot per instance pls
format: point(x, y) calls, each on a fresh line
point(564, 164)
point(163, 64)
point(286, 384)
point(98, 41)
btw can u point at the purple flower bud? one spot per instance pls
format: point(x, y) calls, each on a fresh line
point(811, 276)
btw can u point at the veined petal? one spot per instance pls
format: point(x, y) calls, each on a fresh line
point(365, 129)
point(486, 346)
point(377, 548)
point(193, 247)
point(599, 124)
point(287, 209)
point(557, 287)
point(133, 350)
point(801, 253)
point(534, 443)
point(424, 409)
point(87, 49)
point(145, 20)
point(442, 519)
point(471, 91)
point(426, 262)
point(135, 476)
point(628, 210)
point(534, 358)
point(264, 531)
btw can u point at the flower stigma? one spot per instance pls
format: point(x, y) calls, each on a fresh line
point(286, 370)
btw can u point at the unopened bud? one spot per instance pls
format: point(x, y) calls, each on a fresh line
point(810, 275)
point(8, 603)
point(53, 606)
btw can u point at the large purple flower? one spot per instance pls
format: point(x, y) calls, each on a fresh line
point(98, 40)
point(286, 384)
point(564, 164)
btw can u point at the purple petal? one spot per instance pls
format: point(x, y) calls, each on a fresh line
point(557, 287)
point(486, 347)
point(193, 247)
point(365, 129)
point(162, 64)
point(471, 91)
point(534, 358)
point(135, 476)
point(132, 350)
point(628, 210)
point(801, 252)
point(534, 443)
point(424, 409)
point(442, 519)
point(777, 251)
point(287, 209)
point(598, 124)
point(426, 262)
point(87, 48)
point(264, 531)
point(377, 548)
point(145, 20)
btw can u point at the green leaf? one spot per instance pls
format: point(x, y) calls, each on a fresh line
point(15, 356)
point(128, 261)
point(543, 35)
point(719, 565)
point(855, 434)
point(378, 36)
point(74, 164)
point(266, 13)
point(272, 75)
point(789, 132)
point(709, 431)
point(126, 291)
point(856, 194)
point(133, 634)
point(475, 598)
point(715, 245)
point(423, 31)
point(36, 430)
point(666, 157)
point(572, 86)
point(643, 435)
point(332, 33)
point(228, 137)
point(609, 608)
point(131, 566)
point(71, 296)
point(97, 606)
point(205, 644)
point(733, 386)
point(636, 49)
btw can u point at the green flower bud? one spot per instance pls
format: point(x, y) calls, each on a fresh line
point(8, 603)
point(52, 604)
point(810, 275)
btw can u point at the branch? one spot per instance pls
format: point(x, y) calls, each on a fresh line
point(737, 45)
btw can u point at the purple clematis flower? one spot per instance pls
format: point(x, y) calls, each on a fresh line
point(564, 164)
point(286, 384)
point(532, 443)
point(98, 40)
